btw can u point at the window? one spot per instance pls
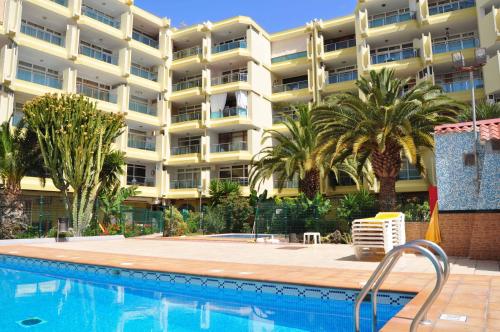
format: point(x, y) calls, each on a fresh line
point(234, 137)
point(408, 171)
point(235, 173)
point(136, 174)
point(189, 141)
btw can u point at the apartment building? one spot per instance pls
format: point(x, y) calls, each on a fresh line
point(198, 99)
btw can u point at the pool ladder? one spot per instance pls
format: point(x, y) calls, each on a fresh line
point(385, 267)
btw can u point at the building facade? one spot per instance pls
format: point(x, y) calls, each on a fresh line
point(198, 99)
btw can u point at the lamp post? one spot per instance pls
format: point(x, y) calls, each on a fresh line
point(200, 194)
point(458, 60)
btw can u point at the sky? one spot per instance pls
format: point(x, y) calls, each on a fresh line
point(272, 15)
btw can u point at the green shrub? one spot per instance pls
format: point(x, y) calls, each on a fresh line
point(360, 204)
point(193, 222)
point(173, 222)
point(415, 211)
point(213, 221)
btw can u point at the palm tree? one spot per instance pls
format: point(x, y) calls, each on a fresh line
point(292, 155)
point(382, 125)
point(221, 189)
point(484, 111)
point(19, 155)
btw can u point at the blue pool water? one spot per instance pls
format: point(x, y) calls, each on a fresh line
point(239, 236)
point(69, 297)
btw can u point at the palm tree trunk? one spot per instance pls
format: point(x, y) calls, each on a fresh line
point(386, 166)
point(387, 196)
point(310, 184)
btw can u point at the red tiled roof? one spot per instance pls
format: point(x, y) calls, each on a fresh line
point(488, 129)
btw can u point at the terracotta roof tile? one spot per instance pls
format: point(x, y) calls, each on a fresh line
point(488, 129)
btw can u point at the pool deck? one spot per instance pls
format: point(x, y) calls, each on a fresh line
point(473, 290)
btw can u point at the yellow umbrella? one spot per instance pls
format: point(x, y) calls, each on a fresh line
point(433, 233)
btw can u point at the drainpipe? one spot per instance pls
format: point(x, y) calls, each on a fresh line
point(315, 31)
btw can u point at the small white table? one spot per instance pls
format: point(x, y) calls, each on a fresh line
point(312, 237)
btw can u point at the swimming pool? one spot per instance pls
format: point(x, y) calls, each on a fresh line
point(41, 295)
point(240, 236)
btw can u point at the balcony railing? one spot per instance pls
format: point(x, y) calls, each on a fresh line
point(394, 56)
point(96, 93)
point(99, 55)
point(141, 107)
point(42, 34)
point(101, 17)
point(38, 77)
point(141, 72)
point(290, 86)
point(289, 184)
point(229, 112)
point(342, 77)
point(282, 117)
point(140, 181)
point(454, 45)
point(140, 37)
point(229, 78)
point(184, 184)
point(185, 117)
point(289, 57)
point(340, 45)
point(141, 143)
point(391, 18)
point(195, 50)
point(450, 7)
point(184, 85)
point(188, 149)
point(228, 147)
point(462, 85)
point(229, 46)
point(241, 181)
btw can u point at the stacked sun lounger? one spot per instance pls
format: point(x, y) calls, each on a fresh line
point(378, 234)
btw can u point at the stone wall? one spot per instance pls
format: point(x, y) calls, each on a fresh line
point(474, 235)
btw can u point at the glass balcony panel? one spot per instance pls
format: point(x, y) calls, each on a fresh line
point(141, 142)
point(101, 17)
point(289, 184)
point(141, 107)
point(228, 147)
point(289, 57)
point(291, 86)
point(42, 78)
point(42, 34)
point(140, 181)
point(394, 56)
point(141, 72)
point(229, 46)
point(229, 112)
point(454, 45)
point(340, 45)
point(241, 181)
point(342, 77)
point(391, 18)
point(185, 117)
point(189, 84)
point(184, 184)
point(99, 55)
point(61, 2)
point(230, 78)
point(462, 85)
point(188, 149)
point(140, 37)
point(195, 50)
point(435, 9)
point(96, 93)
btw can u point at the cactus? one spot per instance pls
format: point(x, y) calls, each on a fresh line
point(74, 138)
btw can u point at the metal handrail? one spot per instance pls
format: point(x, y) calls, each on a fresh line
point(385, 267)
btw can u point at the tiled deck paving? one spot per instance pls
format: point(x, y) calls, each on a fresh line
point(476, 296)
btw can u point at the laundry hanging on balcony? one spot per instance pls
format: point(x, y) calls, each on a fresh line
point(241, 99)
point(217, 103)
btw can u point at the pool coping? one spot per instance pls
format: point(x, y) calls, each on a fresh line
point(418, 283)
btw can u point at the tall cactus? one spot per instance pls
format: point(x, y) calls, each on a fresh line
point(74, 138)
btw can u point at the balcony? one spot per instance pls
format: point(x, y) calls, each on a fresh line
point(284, 116)
point(100, 16)
point(186, 117)
point(229, 147)
point(188, 84)
point(184, 184)
point(145, 39)
point(229, 78)
point(142, 107)
point(289, 57)
point(291, 86)
point(141, 142)
point(391, 18)
point(142, 72)
point(188, 149)
point(340, 45)
point(99, 55)
point(229, 46)
point(39, 77)
point(342, 77)
point(288, 184)
point(141, 181)
point(435, 9)
point(229, 112)
point(241, 181)
point(394, 56)
point(186, 53)
point(460, 85)
point(96, 93)
point(454, 45)
point(41, 34)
